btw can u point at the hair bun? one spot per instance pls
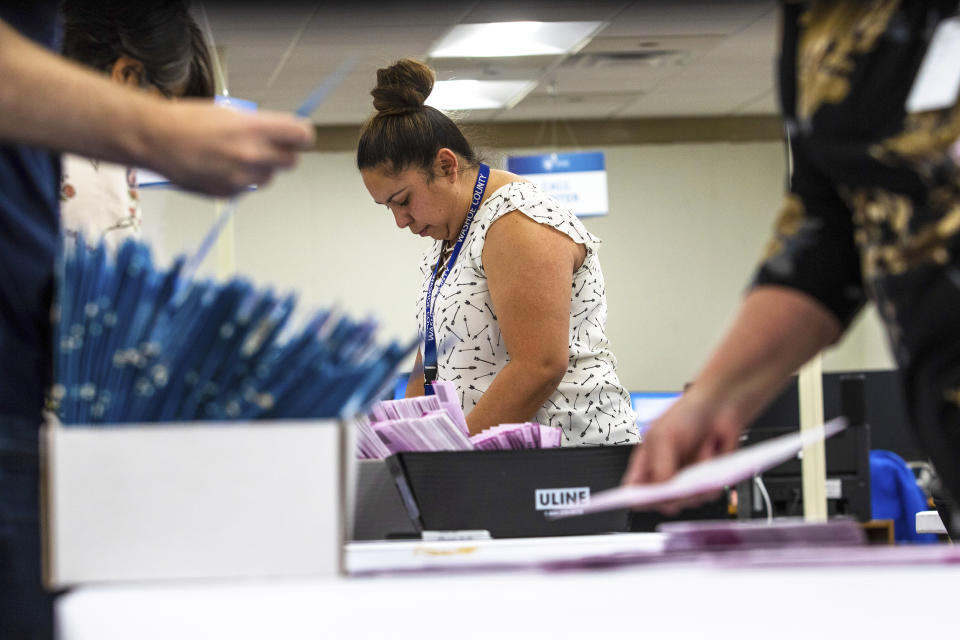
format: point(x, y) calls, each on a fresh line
point(402, 87)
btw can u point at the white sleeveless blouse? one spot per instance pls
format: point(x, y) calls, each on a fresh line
point(590, 404)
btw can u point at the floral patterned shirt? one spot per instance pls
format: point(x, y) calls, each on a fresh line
point(99, 200)
point(873, 209)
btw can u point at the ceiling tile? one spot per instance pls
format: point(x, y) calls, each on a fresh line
point(230, 15)
point(758, 41)
point(252, 60)
point(607, 74)
point(574, 107)
point(722, 60)
point(388, 13)
point(685, 103)
point(665, 18)
point(545, 10)
point(476, 115)
point(752, 76)
point(266, 37)
point(373, 40)
point(524, 68)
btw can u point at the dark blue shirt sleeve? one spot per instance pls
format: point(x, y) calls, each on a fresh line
point(812, 249)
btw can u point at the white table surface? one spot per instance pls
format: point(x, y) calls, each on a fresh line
point(929, 522)
point(509, 553)
point(674, 600)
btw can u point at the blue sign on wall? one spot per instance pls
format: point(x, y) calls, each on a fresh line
point(576, 180)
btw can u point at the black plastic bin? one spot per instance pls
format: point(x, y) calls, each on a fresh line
point(510, 493)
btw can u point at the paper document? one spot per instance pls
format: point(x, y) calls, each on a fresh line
point(713, 474)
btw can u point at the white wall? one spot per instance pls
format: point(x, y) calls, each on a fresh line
point(687, 224)
point(314, 231)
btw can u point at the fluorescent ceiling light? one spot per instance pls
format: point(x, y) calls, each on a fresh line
point(459, 95)
point(505, 39)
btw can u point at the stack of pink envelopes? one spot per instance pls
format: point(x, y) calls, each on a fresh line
point(437, 423)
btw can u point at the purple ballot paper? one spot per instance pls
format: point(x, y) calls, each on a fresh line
point(369, 444)
point(392, 438)
point(446, 393)
point(713, 474)
point(437, 423)
point(710, 535)
point(550, 436)
point(378, 413)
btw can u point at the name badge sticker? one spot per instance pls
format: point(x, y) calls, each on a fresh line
point(938, 80)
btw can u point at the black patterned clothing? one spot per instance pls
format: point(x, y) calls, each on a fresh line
point(590, 404)
point(873, 209)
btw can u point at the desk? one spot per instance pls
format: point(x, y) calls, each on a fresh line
point(675, 600)
point(878, 531)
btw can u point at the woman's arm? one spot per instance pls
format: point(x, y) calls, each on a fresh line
point(775, 332)
point(529, 269)
point(50, 102)
point(415, 381)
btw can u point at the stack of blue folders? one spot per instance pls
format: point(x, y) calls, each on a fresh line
point(135, 343)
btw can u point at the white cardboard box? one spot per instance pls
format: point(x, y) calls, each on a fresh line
point(194, 500)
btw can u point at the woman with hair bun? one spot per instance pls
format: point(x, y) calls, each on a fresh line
point(512, 306)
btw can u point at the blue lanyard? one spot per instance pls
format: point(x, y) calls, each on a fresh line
point(430, 339)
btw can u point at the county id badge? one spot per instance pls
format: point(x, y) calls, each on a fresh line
point(938, 81)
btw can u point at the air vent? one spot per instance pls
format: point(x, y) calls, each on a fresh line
point(622, 51)
point(652, 58)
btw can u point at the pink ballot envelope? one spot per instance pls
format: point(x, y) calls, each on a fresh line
point(550, 437)
point(447, 396)
point(714, 474)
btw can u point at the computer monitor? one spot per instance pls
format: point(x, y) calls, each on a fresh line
point(847, 454)
point(885, 410)
point(650, 405)
point(400, 385)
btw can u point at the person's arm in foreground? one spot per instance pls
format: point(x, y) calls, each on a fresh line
point(50, 102)
point(529, 269)
point(776, 331)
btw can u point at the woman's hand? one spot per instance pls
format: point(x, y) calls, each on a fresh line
point(693, 429)
point(775, 332)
